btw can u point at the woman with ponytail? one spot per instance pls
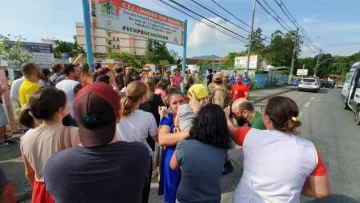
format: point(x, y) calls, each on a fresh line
point(44, 114)
point(135, 124)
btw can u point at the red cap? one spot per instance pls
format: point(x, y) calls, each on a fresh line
point(96, 109)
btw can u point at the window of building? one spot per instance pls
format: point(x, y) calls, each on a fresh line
point(118, 39)
point(114, 46)
point(109, 42)
point(109, 34)
point(118, 46)
point(113, 38)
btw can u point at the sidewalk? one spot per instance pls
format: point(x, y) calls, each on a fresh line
point(12, 163)
point(258, 95)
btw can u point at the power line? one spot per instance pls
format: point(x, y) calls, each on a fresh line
point(287, 13)
point(277, 16)
point(230, 13)
point(271, 15)
point(236, 17)
point(226, 20)
point(212, 26)
point(207, 19)
point(204, 7)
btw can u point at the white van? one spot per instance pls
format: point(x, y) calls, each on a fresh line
point(350, 93)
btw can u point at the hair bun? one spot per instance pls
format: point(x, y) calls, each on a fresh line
point(291, 125)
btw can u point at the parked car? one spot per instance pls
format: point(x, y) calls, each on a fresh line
point(326, 84)
point(309, 84)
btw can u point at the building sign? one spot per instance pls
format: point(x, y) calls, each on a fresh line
point(241, 62)
point(42, 54)
point(302, 72)
point(122, 16)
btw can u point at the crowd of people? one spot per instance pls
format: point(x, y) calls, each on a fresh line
point(102, 136)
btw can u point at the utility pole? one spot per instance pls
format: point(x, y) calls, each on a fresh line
point(250, 37)
point(317, 63)
point(293, 58)
point(303, 70)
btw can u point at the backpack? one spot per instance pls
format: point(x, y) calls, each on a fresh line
point(227, 101)
point(53, 82)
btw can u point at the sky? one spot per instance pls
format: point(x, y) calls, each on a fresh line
point(328, 23)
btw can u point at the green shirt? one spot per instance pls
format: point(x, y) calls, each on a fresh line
point(257, 122)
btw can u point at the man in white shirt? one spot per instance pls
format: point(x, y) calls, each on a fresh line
point(15, 87)
point(70, 85)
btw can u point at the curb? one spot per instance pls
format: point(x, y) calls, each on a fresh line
point(272, 95)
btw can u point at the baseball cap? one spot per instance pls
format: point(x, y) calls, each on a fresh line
point(96, 109)
point(217, 77)
point(198, 91)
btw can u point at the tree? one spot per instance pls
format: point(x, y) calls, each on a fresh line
point(280, 51)
point(126, 58)
point(68, 47)
point(13, 50)
point(202, 66)
point(230, 59)
point(257, 42)
point(157, 51)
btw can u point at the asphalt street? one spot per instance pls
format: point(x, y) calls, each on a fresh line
point(324, 121)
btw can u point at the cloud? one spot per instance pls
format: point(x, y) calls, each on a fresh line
point(309, 20)
point(202, 34)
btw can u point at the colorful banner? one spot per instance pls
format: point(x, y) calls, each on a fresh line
point(128, 18)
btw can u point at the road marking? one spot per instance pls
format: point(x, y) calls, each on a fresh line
point(301, 113)
point(307, 104)
point(312, 98)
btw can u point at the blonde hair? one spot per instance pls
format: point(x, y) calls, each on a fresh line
point(150, 84)
point(134, 92)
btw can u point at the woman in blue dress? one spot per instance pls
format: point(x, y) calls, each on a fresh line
point(169, 137)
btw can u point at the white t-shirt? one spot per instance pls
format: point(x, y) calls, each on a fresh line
point(137, 127)
point(276, 166)
point(68, 87)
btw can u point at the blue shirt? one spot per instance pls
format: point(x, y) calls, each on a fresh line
point(233, 79)
point(246, 79)
point(169, 179)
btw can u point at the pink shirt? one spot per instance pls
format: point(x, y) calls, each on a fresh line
point(176, 80)
point(161, 92)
